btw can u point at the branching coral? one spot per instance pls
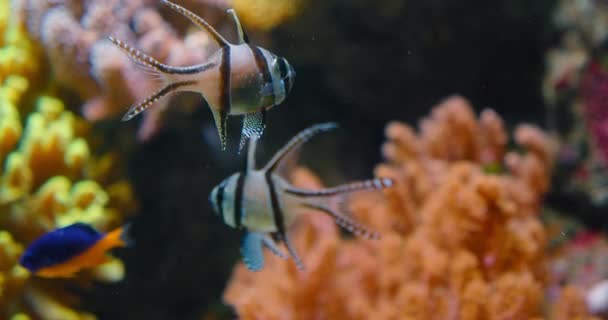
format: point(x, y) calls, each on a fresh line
point(73, 36)
point(46, 183)
point(459, 241)
point(18, 54)
point(575, 90)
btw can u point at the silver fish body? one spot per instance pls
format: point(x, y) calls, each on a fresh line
point(265, 204)
point(238, 79)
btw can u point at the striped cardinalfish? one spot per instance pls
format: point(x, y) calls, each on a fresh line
point(65, 251)
point(264, 204)
point(238, 79)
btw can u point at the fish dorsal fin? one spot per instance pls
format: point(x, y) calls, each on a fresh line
point(251, 249)
point(243, 38)
point(83, 228)
point(253, 126)
point(297, 141)
point(199, 22)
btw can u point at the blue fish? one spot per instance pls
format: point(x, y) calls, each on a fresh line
point(65, 251)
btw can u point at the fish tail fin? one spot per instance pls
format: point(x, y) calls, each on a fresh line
point(343, 189)
point(146, 62)
point(150, 100)
point(120, 237)
point(158, 72)
point(333, 201)
point(344, 219)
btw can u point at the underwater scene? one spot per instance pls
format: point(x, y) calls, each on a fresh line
point(303, 159)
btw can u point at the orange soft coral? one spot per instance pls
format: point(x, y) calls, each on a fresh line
point(459, 241)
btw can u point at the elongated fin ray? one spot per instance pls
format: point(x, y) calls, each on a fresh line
point(373, 184)
point(253, 127)
point(297, 141)
point(198, 21)
point(346, 222)
point(243, 38)
point(221, 118)
point(272, 246)
point(292, 251)
point(140, 57)
point(138, 108)
point(154, 66)
point(251, 249)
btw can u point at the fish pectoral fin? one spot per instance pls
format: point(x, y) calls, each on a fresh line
point(253, 126)
point(221, 118)
point(243, 38)
point(272, 246)
point(251, 249)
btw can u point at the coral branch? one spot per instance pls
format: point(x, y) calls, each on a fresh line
point(459, 241)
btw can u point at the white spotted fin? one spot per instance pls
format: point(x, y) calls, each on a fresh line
point(253, 127)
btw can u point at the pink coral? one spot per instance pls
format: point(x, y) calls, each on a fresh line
point(73, 34)
point(457, 242)
point(594, 92)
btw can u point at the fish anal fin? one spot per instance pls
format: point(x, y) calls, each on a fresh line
point(220, 119)
point(251, 249)
point(253, 127)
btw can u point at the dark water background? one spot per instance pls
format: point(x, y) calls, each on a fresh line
point(360, 63)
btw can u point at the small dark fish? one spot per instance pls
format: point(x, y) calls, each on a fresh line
point(63, 252)
point(264, 204)
point(239, 79)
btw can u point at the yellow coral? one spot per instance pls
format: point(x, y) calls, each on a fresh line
point(48, 177)
point(43, 186)
point(266, 14)
point(18, 53)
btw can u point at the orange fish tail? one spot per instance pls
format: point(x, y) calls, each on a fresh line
point(114, 238)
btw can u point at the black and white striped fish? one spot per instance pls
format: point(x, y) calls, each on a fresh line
point(264, 204)
point(239, 79)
